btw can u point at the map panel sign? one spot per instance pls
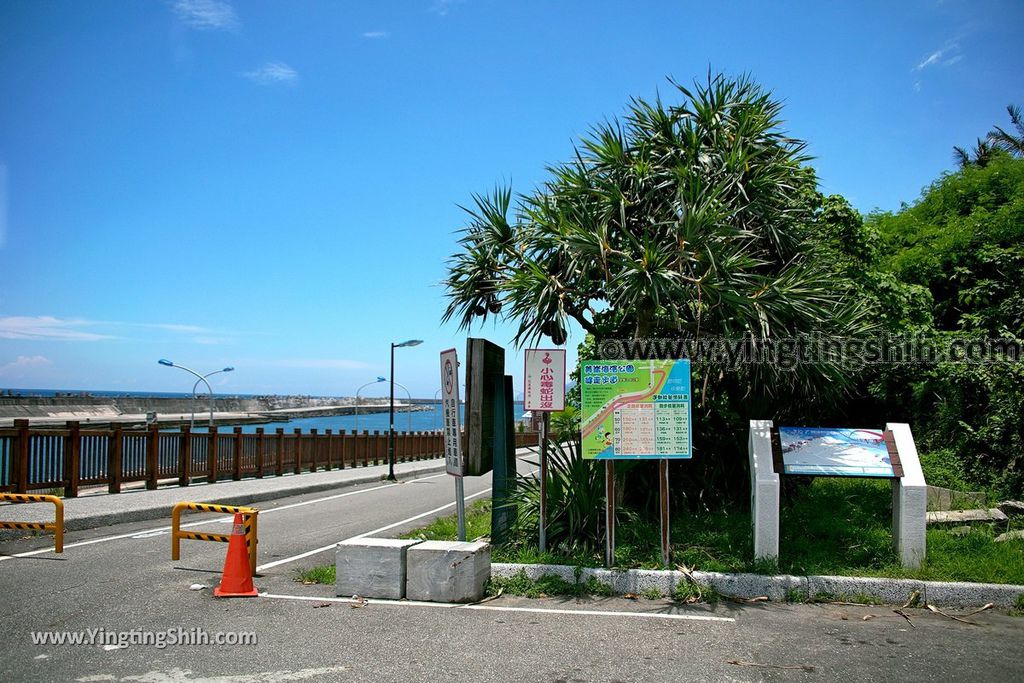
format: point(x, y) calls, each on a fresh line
point(453, 461)
point(636, 409)
point(836, 452)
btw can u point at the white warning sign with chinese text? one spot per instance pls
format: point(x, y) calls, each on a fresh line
point(453, 461)
point(545, 380)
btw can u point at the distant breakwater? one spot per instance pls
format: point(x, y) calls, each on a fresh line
point(73, 407)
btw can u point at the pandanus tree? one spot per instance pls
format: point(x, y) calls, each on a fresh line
point(677, 219)
point(682, 219)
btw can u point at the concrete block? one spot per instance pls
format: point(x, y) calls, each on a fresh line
point(764, 491)
point(966, 516)
point(947, 499)
point(909, 500)
point(1012, 508)
point(372, 567)
point(447, 571)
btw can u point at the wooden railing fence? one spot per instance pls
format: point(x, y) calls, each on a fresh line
point(36, 459)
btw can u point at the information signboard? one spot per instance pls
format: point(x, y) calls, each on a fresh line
point(544, 375)
point(636, 409)
point(836, 452)
point(453, 461)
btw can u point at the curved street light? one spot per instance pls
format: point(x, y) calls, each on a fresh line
point(391, 403)
point(408, 413)
point(200, 378)
point(376, 381)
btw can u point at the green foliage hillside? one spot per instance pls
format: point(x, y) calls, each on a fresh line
point(963, 242)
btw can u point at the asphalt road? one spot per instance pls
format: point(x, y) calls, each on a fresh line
point(123, 579)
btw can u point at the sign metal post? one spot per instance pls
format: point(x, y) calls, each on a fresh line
point(453, 460)
point(609, 513)
point(636, 410)
point(544, 375)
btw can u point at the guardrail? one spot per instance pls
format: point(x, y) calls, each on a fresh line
point(58, 516)
point(249, 517)
point(34, 459)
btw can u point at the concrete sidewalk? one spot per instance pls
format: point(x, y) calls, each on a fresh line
point(101, 509)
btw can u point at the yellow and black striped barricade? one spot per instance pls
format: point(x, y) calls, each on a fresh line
point(248, 520)
point(58, 518)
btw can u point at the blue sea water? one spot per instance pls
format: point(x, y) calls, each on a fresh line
point(48, 393)
point(416, 421)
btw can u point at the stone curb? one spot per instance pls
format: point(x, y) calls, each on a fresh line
point(778, 588)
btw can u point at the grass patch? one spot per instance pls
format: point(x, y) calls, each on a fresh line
point(547, 585)
point(828, 527)
point(858, 599)
point(1018, 607)
point(689, 593)
point(478, 524)
point(325, 574)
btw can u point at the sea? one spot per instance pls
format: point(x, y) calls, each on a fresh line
point(426, 418)
point(412, 421)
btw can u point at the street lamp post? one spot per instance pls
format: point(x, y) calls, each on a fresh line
point(437, 407)
point(376, 381)
point(391, 405)
point(408, 413)
point(200, 378)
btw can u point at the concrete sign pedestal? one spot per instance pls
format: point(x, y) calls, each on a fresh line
point(909, 495)
point(909, 499)
point(764, 491)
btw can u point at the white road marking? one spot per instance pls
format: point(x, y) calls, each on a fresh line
point(158, 531)
point(300, 556)
point(505, 608)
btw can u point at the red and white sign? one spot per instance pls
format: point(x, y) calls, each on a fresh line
point(545, 379)
point(453, 461)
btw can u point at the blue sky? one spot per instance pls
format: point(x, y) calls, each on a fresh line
point(274, 185)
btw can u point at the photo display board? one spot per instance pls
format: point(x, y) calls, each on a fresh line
point(635, 409)
point(835, 452)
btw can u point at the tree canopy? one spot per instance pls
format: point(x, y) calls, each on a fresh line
point(687, 217)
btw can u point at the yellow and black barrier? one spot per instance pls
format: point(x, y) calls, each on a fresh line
point(58, 518)
point(248, 521)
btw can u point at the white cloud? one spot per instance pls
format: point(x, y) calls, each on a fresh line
point(314, 363)
point(376, 35)
point(941, 57)
point(23, 362)
point(443, 7)
point(47, 328)
point(207, 15)
point(272, 73)
point(50, 328)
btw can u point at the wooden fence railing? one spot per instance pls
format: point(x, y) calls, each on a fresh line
point(34, 459)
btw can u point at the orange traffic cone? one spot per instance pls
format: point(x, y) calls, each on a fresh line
point(236, 581)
